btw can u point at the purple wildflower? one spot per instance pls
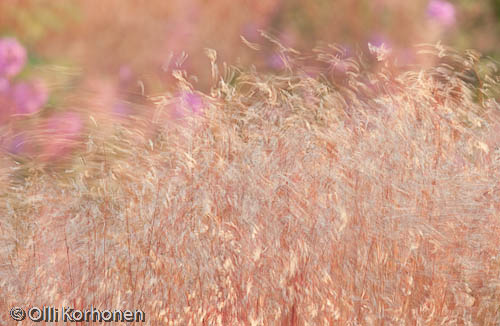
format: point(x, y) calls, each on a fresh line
point(29, 97)
point(4, 86)
point(442, 12)
point(12, 57)
point(194, 102)
point(188, 103)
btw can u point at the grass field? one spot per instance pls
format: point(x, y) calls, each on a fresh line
point(273, 199)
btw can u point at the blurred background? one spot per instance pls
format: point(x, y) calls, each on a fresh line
point(60, 60)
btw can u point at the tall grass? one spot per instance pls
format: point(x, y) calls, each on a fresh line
point(370, 199)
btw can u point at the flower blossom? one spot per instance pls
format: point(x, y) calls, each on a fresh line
point(12, 57)
point(29, 97)
point(443, 12)
point(188, 103)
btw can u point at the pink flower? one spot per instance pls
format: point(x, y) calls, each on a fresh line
point(442, 12)
point(194, 102)
point(189, 103)
point(4, 85)
point(29, 97)
point(12, 57)
point(62, 131)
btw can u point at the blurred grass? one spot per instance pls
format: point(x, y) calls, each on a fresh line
point(291, 200)
point(337, 189)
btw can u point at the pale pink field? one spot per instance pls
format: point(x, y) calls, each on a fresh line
point(278, 199)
